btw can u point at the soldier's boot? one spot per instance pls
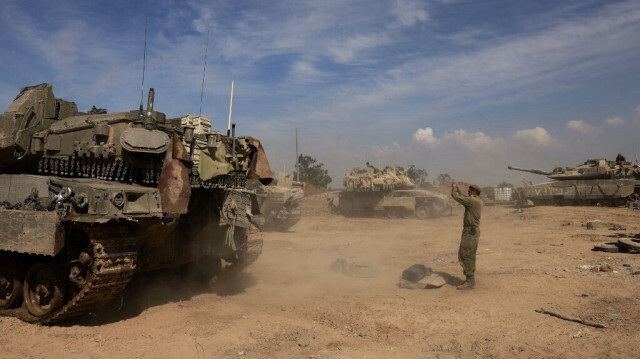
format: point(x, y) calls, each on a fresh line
point(470, 283)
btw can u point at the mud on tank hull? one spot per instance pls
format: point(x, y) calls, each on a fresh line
point(611, 192)
point(421, 204)
point(68, 246)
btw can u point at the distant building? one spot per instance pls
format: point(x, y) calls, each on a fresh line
point(502, 194)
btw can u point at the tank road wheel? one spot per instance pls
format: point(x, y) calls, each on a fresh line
point(11, 276)
point(437, 207)
point(423, 212)
point(392, 212)
point(620, 202)
point(408, 213)
point(44, 288)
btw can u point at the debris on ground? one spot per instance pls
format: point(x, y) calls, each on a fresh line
point(340, 265)
point(603, 267)
point(629, 244)
point(432, 281)
point(616, 227)
point(420, 277)
point(571, 319)
point(592, 224)
point(416, 272)
point(625, 244)
point(609, 247)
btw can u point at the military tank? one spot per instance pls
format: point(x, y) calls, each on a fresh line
point(279, 202)
point(386, 193)
point(595, 182)
point(88, 199)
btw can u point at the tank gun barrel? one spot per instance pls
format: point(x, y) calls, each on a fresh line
point(531, 170)
point(148, 119)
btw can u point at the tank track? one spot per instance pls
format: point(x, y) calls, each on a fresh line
point(249, 250)
point(114, 261)
point(253, 248)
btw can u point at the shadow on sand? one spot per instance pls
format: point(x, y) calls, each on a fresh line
point(147, 290)
point(450, 279)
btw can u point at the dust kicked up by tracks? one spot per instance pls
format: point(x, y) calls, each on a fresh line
point(290, 304)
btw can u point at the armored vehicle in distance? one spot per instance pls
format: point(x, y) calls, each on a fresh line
point(279, 202)
point(595, 182)
point(87, 199)
point(389, 193)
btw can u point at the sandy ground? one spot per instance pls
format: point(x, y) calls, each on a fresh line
point(289, 304)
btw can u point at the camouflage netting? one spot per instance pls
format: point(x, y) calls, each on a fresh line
point(373, 179)
point(202, 126)
point(212, 162)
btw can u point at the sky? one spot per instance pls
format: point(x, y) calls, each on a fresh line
point(451, 86)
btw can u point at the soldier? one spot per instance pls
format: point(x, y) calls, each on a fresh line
point(470, 231)
point(371, 169)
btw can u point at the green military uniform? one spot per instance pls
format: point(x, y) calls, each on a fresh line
point(470, 232)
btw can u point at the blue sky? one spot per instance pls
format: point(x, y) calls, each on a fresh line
point(452, 86)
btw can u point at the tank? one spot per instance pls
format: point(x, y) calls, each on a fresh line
point(595, 182)
point(89, 199)
point(389, 193)
point(279, 202)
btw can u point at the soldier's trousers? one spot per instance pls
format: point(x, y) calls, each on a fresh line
point(467, 251)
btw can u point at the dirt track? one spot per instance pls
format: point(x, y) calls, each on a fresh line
point(290, 305)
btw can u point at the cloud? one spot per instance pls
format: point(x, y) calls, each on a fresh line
point(581, 127)
point(387, 152)
point(472, 141)
point(345, 50)
point(636, 115)
point(514, 66)
point(425, 137)
point(534, 136)
point(613, 121)
point(304, 70)
point(409, 12)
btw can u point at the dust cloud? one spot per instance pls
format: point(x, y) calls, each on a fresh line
point(290, 304)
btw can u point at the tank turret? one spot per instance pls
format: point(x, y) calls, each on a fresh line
point(591, 169)
point(373, 179)
point(40, 134)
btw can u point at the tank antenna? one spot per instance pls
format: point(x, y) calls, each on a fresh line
point(144, 52)
point(204, 71)
point(230, 108)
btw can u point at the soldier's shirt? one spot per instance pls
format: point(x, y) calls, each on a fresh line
point(472, 207)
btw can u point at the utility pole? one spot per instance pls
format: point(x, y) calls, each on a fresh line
point(297, 156)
